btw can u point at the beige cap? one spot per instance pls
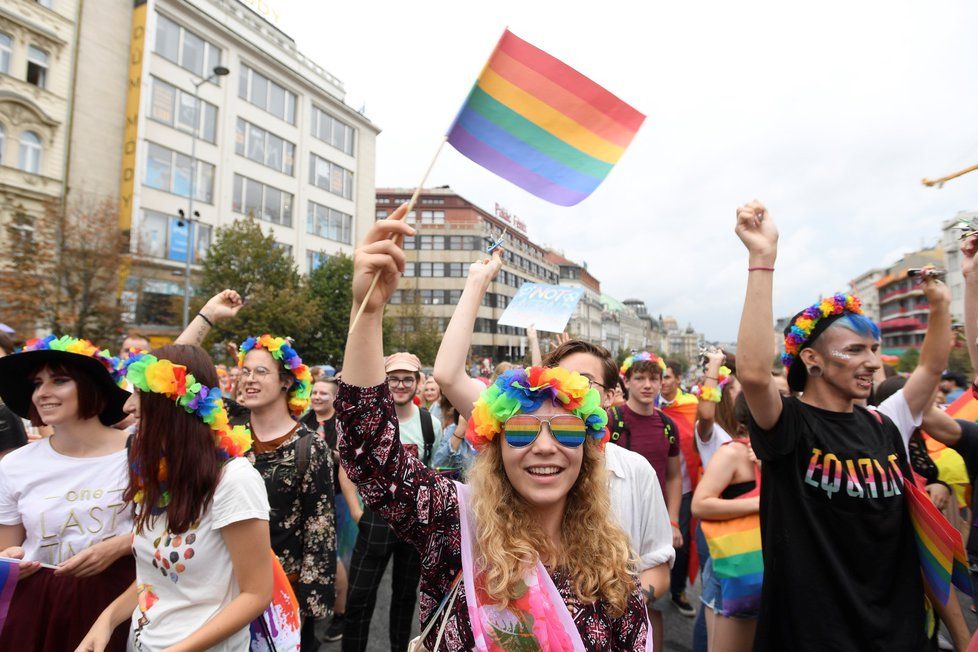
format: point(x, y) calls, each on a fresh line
point(402, 361)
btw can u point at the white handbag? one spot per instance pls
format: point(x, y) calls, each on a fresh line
point(417, 644)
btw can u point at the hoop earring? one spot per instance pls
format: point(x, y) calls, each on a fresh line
point(815, 371)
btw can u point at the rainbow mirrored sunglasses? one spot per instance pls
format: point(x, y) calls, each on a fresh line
point(521, 430)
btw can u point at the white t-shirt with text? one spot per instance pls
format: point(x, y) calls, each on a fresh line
point(184, 580)
point(412, 437)
point(65, 504)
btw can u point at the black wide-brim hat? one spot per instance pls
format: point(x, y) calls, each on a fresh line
point(16, 387)
point(797, 372)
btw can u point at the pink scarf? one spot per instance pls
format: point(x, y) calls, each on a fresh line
point(537, 620)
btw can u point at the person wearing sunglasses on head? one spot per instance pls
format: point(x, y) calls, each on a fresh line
point(531, 553)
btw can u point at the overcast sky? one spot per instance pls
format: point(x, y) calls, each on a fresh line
point(829, 112)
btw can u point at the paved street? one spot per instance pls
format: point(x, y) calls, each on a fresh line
point(679, 630)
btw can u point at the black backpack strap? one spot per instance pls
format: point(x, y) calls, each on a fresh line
point(303, 451)
point(618, 427)
point(668, 427)
point(428, 432)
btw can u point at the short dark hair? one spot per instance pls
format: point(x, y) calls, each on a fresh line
point(955, 378)
point(888, 388)
point(91, 400)
point(676, 367)
point(609, 369)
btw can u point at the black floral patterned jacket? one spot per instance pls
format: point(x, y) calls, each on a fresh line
point(302, 519)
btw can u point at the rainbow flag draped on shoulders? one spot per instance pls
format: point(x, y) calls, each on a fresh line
point(537, 122)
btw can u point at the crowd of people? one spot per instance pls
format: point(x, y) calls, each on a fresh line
point(557, 503)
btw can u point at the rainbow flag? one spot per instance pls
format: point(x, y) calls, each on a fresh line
point(735, 550)
point(537, 122)
point(939, 546)
point(9, 572)
point(277, 629)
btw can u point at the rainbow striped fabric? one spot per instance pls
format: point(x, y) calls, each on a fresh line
point(9, 572)
point(942, 557)
point(537, 122)
point(735, 549)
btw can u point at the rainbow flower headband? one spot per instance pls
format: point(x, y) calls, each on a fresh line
point(803, 325)
point(282, 351)
point(525, 390)
point(69, 344)
point(642, 356)
point(147, 373)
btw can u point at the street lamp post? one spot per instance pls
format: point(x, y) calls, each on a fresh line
point(218, 71)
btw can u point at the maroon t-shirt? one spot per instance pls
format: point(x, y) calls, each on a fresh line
point(648, 439)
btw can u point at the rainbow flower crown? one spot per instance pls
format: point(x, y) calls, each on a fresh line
point(282, 350)
point(525, 390)
point(69, 344)
point(642, 356)
point(147, 373)
point(803, 325)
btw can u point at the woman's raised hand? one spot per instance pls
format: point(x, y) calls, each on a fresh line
point(380, 256)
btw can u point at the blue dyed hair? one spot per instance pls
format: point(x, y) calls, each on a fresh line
point(858, 324)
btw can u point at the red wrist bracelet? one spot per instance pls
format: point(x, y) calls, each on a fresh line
point(760, 269)
point(674, 524)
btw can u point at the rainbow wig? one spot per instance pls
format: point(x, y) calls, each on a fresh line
point(282, 351)
point(147, 373)
point(804, 328)
point(70, 344)
point(642, 356)
point(525, 390)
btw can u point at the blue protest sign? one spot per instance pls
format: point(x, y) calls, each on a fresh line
point(546, 307)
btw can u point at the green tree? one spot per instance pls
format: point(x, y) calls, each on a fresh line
point(62, 271)
point(959, 362)
point(277, 301)
point(413, 328)
point(908, 360)
point(330, 289)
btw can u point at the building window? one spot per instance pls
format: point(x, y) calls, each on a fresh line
point(46, 3)
point(266, 94)
point(315, 259)
point(186, 49)
point(166, 236)
point(329, 223)
point(264, 147)
point(432, 217)
point(170, 171)
point(176, 108)
point(37, 67)
point(29, 159)
point(260, 201)
point(5, 50)
point(330, 130)
point(381, 214)
point(330, 177)
point(287, 248)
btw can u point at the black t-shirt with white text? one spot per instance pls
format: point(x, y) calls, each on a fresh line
point(841, 570)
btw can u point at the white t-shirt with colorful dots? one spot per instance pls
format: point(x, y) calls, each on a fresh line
point(184, 580)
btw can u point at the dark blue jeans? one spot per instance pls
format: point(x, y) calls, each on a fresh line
point(699, 627)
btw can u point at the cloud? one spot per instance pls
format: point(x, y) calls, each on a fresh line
point(830, 113)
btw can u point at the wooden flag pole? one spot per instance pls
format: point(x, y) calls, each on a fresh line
point(414, 200)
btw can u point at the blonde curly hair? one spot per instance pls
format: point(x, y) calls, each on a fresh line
point(596, 553)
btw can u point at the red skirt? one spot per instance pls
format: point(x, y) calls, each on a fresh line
point(53, 613)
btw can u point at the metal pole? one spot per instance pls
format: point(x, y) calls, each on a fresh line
point(190, 204)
